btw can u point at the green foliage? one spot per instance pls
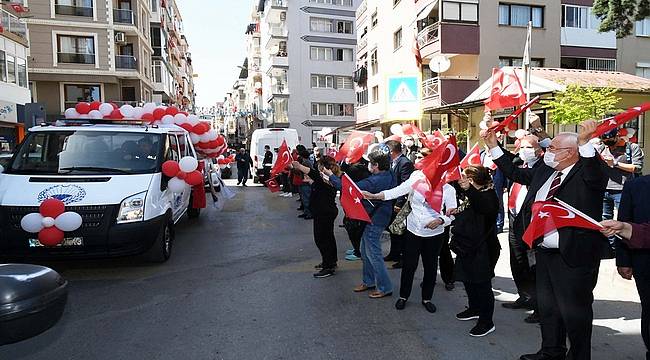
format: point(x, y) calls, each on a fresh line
point(461, 136)
point(620, 15)
point(577, 104)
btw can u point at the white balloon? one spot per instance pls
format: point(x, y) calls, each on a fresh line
point(127, 111)
point(95, 114)
point(396, 129)
point(47, 222)
point(167, 119)
point(176, 185)
point(71, 113)
point(149, 108)
point(379, 135)
point(84, 116)
point(137, 112)
point(105, 109)
point(32, 223)
point(520, 133)
point(483, 125)
point(512, 133)
point(188, 164)
point(371, 148)
point(180, 119)
point(220, 157)
point(205, 137)
point(68, 221)
point(195, 138)
point(193, 119)
point(212, 135)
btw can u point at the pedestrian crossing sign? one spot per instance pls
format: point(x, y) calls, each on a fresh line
point(403, 98)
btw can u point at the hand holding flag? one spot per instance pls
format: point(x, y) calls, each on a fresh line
point(284, 159)
point(352, 200)
point(551, 215)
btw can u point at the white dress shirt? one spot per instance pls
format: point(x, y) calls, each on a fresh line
point(421, 213)
point(552, 239)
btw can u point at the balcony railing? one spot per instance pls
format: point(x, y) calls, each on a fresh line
point(430, 88)
point(73, 10)
point(278, 31)
point(123, 16)
point(126, 62)
point(280, 3)
point(76, 58)
point(13, 24)
point(362, 8)
point(429, 34)
point(362, 43)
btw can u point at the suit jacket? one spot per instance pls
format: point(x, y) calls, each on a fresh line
point(402, 171)
point(634, 208)
point(583, 188)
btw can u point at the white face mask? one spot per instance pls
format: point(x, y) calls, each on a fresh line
point(527, 154)
point(549, 159)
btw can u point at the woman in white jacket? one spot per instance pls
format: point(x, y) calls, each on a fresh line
point(425, 227)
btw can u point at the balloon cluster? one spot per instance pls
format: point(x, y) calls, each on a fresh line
point(183, 173)
point(205, 139)
point(51, 222)
point(223, 161)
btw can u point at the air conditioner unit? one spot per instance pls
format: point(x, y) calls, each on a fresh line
point(283, 16)
point(120, 37)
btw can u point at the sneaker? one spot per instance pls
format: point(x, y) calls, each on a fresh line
point(467, 315)
point(532, 318)
point(429, 306)
point(349, 252)
point(352, 257)
point(323, 273)
point(400, 304)
point(287, 195)
point(481, 330)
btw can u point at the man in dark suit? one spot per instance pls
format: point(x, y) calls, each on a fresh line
point(402, 168)
point(567, 260)
point(633, 258)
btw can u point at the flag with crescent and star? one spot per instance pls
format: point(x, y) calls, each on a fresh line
point(284, 159)
point(551, 215)
point(272, 185)
point(352, 200)
point(613, 122)
point(453, 167)
point(355, 146)
point(434, 166)
point(473, 157)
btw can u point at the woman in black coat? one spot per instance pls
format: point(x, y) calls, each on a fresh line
point(476, 246)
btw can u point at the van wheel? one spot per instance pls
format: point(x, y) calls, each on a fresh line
point(161, 249)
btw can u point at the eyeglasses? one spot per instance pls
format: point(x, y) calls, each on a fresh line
point(553, 148)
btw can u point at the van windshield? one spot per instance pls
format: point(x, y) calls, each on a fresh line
point(87, 153)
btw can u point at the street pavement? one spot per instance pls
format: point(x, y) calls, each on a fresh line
point(239, 285)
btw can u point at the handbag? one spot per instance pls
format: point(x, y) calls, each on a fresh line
point(398, 226)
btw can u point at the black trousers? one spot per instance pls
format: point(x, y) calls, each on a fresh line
point(242, 175)
point(415, 247)
point(354, 233)
point(480, 299)
point(446, 260)
point(324, 239)
point(522, 273)
point(643, 288)
point(564, 299)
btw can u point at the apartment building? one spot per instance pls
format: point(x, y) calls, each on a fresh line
point(307, 62)
point(254, 102)
point(14, 85)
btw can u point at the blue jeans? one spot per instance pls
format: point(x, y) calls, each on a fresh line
point(305, 194)
point(611, 201)
point(374, 268)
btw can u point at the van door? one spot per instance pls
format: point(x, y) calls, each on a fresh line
point(184, 150)
point(176, 200)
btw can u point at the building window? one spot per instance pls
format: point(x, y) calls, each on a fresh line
point(320, 109)
point(11, 69)
point(333, 2)
point(374, 65)
point(74, 93)
point(74, 7)
point(643, 27)
point(344, 55)
point(517, 61)
point(3, 66)
point(344, 109)
point(154, 5)
point(459, 10)
point(373, 20)
point(344, 83)
point(581, 17)
point(331, 26)
point(321, 53)
point(21, 67)
point(362, 97)
point(375, 94)
point(588, 64)
point(397, 39)
point(76, 49)
point(520, 15)
point(322, 81)
point(643, 71)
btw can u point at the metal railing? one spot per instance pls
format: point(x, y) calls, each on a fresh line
point(126, 62)
point(76, 58)
point(431, 88)
point(123, 16)
point(429, 34)
point(13, 24)
point(73, 10)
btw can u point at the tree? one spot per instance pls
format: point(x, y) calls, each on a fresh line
point(576, 104)
point(620, 15)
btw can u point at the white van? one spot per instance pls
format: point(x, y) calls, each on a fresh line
point(110, 174)
point(273, 138)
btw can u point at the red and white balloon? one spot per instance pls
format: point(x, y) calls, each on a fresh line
point(183, 173)
point(51, 222)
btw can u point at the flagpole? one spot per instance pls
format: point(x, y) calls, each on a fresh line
point(526, 66)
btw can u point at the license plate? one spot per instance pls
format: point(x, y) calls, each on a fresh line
point(75, 241)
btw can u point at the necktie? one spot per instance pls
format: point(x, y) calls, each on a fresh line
point(514, 194)
point(554, 186)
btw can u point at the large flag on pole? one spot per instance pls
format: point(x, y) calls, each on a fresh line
point(500, 126)
point(551, 215)
point(352, 200)
point(506, 91)
point(526, 63)
point(284, 159)
point(613, 122)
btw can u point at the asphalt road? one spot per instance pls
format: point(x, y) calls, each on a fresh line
point(239, 286)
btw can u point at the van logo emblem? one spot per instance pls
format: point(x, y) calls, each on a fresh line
point(67, 193)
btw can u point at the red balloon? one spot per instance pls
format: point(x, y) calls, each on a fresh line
point(187, 126)
point(199, 129)
point(94, 105)
point(117, 115)
point(220, 140)
point(407, 129)
point(82, 108)
point(634, 140)
point(170, 168)
point(203, 145)
point(172, 110)
point(158, 113)
point(512, 126)
point(147, 117)
point(213, 144)
point(181, 175)
point(51, 236)
point(52, 208)
point(194, 178)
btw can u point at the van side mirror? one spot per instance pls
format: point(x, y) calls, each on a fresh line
point(2, 169)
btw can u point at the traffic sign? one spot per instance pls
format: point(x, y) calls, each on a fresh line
point(403, 98)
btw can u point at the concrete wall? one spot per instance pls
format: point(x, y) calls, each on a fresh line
point(632, 50)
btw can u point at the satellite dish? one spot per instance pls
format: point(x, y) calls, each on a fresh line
point(439, 64)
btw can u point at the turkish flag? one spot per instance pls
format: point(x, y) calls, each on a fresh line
point(19, 8)
point(500, 126)
point(284, 159)
point(351, 200)
point(434, 166)
point(355, 146)
point(453, 167)
point(506, 91)
point(412, 130)
point(473, 157)
point(416, 52)
point(272, 185)
point(551, 215)
point(613, 122)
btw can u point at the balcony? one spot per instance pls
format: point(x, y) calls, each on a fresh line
point(126, 62)
point(591, 38)
point(429, 39)
point(73, 10)
point(75, 58)
point(123, 16)
point(442, 38)
point(276, 13)
point(278, 31)
point(278, 62)
point(12, 24)
point(437, 92)
point(362, 9)
point(431, 93)
point(363, 42)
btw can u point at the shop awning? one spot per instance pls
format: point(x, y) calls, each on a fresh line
point(426, 10)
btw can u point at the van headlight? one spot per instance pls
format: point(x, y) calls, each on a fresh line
point(132, 209)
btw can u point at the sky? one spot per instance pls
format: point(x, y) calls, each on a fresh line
point(215, 31)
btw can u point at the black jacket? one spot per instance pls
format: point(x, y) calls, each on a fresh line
point(583, 188)
point(323, 196)
point(402, 171)
point(268, 158)
point(635, 208)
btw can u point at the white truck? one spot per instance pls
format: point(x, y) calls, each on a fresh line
point(111, 175)
point(273, 138)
